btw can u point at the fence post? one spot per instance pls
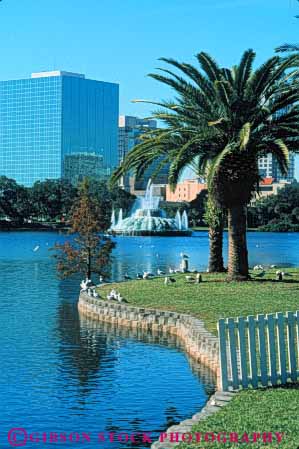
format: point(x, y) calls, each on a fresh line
point(243, 351)
point(291, 346)
point(233, 352)
point(252, 351)
point(223, 354)
point(262, 348)
point(281, 347)
point(272, 349)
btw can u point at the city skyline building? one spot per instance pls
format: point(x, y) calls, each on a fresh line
point(129, 132)
point(80, 165)
point(52, 115)
point(269, 168)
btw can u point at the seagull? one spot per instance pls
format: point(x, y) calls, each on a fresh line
point(83, 286)
point(139, 276)
point(279, 275)
point(119, 297)
point(113, 294)
point(36, 248)
point(261, 274)
point(273, 266)
point(127, 277)
point(198, 278)
point(160, 272)
point(184, 256)
point(190, 278)
point(258, 267)
point(171, 270)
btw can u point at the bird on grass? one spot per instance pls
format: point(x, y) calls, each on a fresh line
point(190, 279)
point(139, 276)
point(119, 298)
point(258, 267)
point(127, 277)
point(184, 256)
point(160, 272)
point(169, 280)
point(261, 274)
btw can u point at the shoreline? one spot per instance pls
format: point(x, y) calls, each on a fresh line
point(33, 228)
point(58, 227)
point(196, 341)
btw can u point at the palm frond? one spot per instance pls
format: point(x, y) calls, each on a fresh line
point(209, 66)
point(244, 70)
point(216, 164)
point(287, 47)
point(244, 135)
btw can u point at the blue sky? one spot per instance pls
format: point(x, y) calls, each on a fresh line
point(121, 40)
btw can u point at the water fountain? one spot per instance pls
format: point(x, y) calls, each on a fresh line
point(148, 219)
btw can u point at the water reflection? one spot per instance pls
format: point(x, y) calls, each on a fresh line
point(137, 372)
point(60, 372)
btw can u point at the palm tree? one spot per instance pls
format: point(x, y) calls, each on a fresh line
point(223, 120)
point(288, 47)
point(165, 147)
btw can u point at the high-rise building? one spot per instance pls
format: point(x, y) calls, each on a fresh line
point(77, 166)
point(129, 132)
point(54, 115)
point(269, 168)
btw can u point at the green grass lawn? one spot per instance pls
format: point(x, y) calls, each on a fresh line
point(272, 410)
point(214, 298)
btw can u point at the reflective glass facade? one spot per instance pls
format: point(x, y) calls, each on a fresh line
point(45, 118)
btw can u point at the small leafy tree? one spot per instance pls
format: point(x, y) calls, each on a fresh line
point(90, 250)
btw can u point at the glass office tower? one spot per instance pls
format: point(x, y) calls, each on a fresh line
point(51, 115)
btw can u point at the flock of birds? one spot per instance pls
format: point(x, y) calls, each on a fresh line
point(145, 275)
point(262, 272)
point(116, 296)
point(88, 287)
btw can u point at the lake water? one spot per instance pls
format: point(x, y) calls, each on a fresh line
point(62, 373)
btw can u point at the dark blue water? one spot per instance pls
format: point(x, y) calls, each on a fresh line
point(60, 373)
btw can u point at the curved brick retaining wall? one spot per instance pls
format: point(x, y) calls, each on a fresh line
point(200, 344)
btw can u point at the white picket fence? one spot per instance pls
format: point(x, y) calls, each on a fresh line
point(259, 351)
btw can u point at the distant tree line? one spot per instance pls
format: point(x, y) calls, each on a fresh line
point(277, 212)
point(52, 200)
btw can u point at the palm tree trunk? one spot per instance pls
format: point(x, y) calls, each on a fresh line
point(214, 218)
point(88, 263)
point(237, 244)
point(216, 264)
